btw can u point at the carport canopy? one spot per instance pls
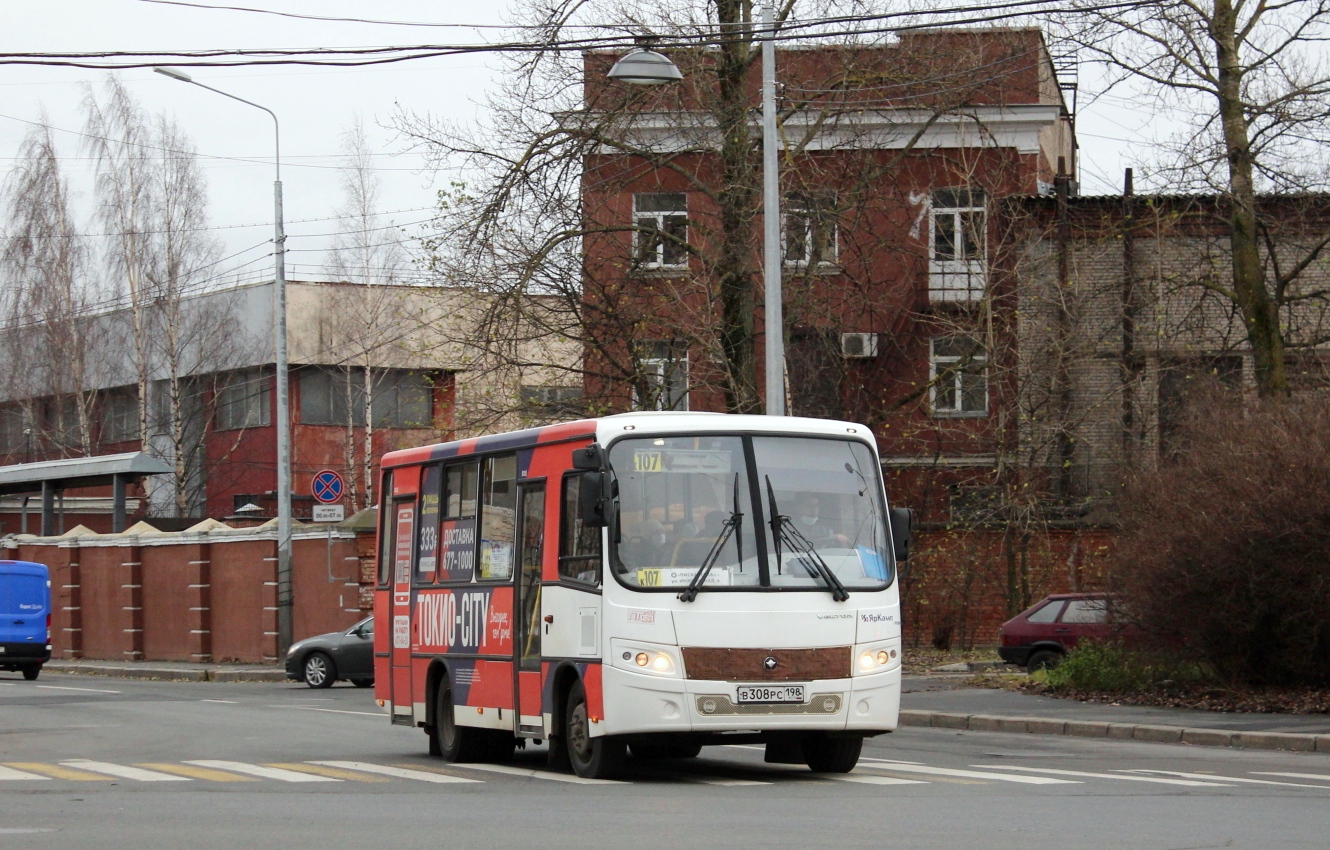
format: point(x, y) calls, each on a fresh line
point(49, 477)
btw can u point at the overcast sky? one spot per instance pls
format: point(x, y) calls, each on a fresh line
point(314, 105)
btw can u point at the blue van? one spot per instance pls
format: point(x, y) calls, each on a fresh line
point(25, 617)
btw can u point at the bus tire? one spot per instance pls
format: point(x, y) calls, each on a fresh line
point(455, 743)
point(825, 754)
point(591, 758)
point(31, 673)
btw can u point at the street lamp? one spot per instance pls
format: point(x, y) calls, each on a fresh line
point(283, 419)
point(647, 67)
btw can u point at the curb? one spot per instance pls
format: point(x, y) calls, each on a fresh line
point(177, 674)
point(1118, 731)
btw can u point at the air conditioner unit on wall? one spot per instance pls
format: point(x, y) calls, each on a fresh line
point(858, 345)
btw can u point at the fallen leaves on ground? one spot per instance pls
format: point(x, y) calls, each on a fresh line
point(1206, 698)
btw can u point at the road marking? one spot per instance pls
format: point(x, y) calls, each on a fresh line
point(971, 774)
point(1159, 779)
point(540, 774)
point(889, 761)
point(320, 770)
point(1321, 776)
point(57, 772)
point(261, 772)
point(10, 773)
point(706, 780)
point(397, 772)
point(123, 771)
point(377, 714)
point(869, 780)
point(224, 701)
point(1229, 778)
point(198, 772)
point(86, 690)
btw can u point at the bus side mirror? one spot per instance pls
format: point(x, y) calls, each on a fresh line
point(588, 459)
point(901, 521)
point(592, 499)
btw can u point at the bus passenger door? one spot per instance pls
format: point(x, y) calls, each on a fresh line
point(403, 530)
point(531, 535)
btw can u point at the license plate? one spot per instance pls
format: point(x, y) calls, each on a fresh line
point(771, 693)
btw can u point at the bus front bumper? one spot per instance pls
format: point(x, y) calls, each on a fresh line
point(637, 703)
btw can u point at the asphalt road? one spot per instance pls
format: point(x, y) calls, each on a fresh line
point(89, 762)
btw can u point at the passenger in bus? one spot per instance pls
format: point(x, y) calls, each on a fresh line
point(809, 521)
point(649, 545)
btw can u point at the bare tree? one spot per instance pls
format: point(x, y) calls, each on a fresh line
point(118, 135)
point(366, 256)
point(1253, 80)
point(54, 358)
point(189, 336)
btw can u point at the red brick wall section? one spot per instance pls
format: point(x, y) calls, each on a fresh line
point(957, 584)
point(173, 625)
point(325, 581)
point(244, 600)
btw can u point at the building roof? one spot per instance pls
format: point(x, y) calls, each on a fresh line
point(79, 472)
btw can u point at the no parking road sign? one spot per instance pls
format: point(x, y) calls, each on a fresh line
point(327, 486)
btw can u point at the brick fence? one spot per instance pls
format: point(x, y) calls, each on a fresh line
point(197, 595)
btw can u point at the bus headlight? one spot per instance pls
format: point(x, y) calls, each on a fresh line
point(879, 657)
point(644, 658)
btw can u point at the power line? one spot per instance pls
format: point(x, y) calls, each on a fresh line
point(790, 31)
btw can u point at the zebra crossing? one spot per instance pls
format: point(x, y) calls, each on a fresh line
point(735, 774)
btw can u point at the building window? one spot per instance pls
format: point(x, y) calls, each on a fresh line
point(1185, 382)
point(337, 397)
point(551, 402)
point(242, 401)
point(120, 416)
point(956, 267)
point(958, 374)
point(660, 240)
point(13, 424)
point(62, 422)
point(809, 236)
point(662, 379)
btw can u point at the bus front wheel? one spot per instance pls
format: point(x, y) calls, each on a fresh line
point(591, 758)
point(825, 754)
point(453, 742)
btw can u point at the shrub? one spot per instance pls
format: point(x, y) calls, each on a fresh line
point(1110, 668)
point(1225, 553)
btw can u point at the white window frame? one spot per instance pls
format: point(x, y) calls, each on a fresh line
point(648, 222)
point(939, 364)
point(665, 367)
point(813, 215)
point(963, 277)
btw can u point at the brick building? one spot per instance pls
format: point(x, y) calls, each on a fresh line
point(403, 343)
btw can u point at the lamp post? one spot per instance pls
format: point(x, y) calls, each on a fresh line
point(647, 67)
point(283, 418)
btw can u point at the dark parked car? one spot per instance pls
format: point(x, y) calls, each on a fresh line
point(1039, 637)
point(321, 660)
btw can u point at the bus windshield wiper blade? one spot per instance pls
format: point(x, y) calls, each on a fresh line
point(785, 531)
point(728, 529)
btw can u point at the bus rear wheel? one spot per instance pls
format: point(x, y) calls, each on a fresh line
point(453, 742)
point(591, 758)
point(825, 754)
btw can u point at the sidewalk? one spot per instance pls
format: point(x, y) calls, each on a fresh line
point(173, 670)
point(936, 701)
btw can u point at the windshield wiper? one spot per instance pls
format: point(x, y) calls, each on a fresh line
point(783, 530)
point(728, 529)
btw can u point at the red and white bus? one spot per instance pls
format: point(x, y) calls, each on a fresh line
point(646, 583)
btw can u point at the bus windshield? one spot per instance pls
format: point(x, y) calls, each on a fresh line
point(684, 500)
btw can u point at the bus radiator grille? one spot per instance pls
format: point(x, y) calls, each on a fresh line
point(716, 705)
point(766, 665)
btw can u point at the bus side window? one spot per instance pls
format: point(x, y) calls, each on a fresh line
point(387, 530)
point(579, 543)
